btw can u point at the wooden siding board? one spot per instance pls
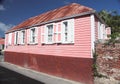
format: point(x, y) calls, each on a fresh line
point(82, 42)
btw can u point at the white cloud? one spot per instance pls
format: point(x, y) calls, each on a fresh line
point(66, 2)
point(4, 27)
point(2, 8)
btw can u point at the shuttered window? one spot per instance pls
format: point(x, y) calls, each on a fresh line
point(58, 32)
point(33, 39)
point(16, 38)
point(32, 35)
point(22, 39)
point(49, 33)
point(65, 26)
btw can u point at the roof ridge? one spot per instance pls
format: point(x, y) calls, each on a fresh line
point(60, 12)
point(56, 9)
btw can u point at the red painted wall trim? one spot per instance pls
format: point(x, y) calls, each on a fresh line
point(73, 68)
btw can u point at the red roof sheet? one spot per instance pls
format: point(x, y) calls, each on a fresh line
point(1, 41)
point(64, 11)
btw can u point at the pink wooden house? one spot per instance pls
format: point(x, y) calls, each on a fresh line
point(59, 42)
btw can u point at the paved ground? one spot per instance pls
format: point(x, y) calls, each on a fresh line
point(1, 58)
point(10, 77)
point(16, 78)
point(12, 74)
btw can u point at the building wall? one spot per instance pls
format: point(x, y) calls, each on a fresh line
point(72, 68)
point(71, 61)
point(80, 48)
point(96, 29)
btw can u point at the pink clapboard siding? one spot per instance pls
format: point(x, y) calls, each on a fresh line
point(80, 48)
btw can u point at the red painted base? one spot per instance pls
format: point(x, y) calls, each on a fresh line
point(77, 69)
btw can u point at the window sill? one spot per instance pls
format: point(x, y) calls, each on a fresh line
point(67, 43)
point(48, 43)
point(22, 44)
point(16, 44)
point(58, 43)
point(32, 43)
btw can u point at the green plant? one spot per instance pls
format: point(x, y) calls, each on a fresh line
point(95, 67)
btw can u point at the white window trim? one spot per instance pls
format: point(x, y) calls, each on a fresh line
point(62, 33)
point(67, 42)
point(21, 37)
point(92, 20)
point(36, 35)
point(18, 38)
point(46, 34)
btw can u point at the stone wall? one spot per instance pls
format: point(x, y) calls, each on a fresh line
point(108, 60)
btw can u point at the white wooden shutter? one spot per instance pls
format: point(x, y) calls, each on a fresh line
point(46, 34)
point(15, 38)
point(6, 39)
point(101, 31)
point(19, 37)
point(54, 33)
point(10, 38)
point(43, 35)
point(28, 36)
point(71, 31)
point(59, 33)
point(62, 33)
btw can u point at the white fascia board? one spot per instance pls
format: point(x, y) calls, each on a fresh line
point(92, 17)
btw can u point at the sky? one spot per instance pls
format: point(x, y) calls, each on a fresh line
point(13, 12)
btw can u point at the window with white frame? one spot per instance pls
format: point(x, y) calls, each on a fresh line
point(58, 33)
point(9, 38)
point(32, 35)
point(22, 36)
point(16, 38)
point(65, 26)
point(49, 33)
point(68, 31)
point(33, 39)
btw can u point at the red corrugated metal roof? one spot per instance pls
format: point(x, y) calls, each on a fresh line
point(1, 41)
point(64, 11)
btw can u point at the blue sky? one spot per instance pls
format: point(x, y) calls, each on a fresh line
point(12, 12)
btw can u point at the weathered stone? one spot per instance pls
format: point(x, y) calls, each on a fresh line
point(108, 62)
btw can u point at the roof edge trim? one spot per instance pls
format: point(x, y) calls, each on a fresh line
point(59, 19)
